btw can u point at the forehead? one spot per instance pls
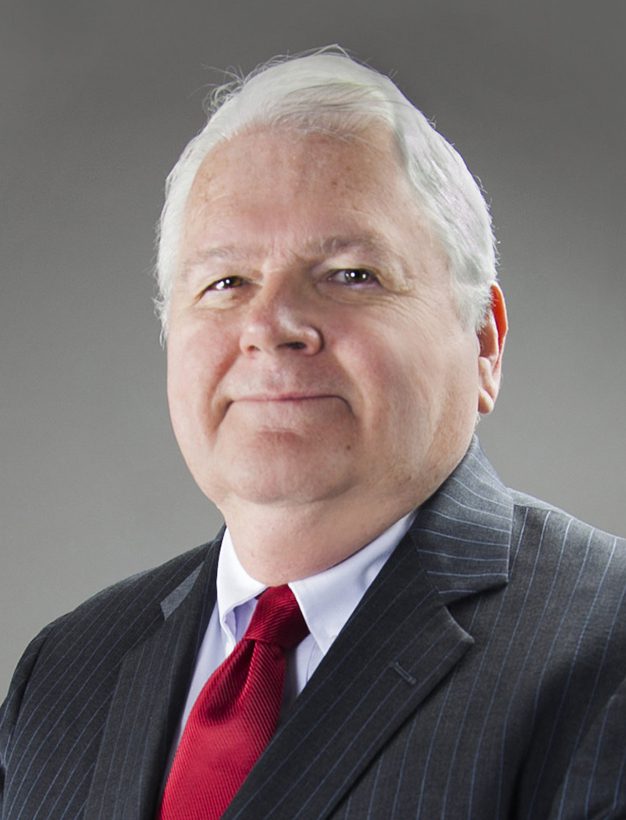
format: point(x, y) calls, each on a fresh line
point(284, 184)
point(279, 161)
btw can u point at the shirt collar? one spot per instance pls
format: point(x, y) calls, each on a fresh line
point(326, 599)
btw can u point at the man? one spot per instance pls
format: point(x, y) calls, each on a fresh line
point(334, 327)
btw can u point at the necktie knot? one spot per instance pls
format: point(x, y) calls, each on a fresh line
point(277, 619)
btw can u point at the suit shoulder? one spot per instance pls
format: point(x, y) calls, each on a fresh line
point(549, 540)
point(534, 510)
point(149, 584)
point(117, 616)
point(138, 599)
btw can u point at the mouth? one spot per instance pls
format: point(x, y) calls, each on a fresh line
point(282, 407)
point(285, 397)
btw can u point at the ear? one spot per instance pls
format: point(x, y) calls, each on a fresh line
point(491, 339)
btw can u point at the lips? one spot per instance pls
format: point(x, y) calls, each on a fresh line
point(282, 389)
point(280, 407)
point(285, 397)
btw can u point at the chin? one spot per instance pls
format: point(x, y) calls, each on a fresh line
point(277, 481)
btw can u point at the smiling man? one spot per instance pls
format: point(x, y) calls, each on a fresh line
point(383, 629)
point(336, 343)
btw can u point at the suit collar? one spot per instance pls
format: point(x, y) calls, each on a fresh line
point(463, 532)
point(207, 567)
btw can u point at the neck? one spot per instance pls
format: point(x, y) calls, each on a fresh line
point(276, 545)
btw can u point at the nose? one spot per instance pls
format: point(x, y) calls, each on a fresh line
point(280, 321)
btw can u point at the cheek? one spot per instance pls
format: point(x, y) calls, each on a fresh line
point(398, 362)
point(195, 363)
point(178, 393)
point(388, 378)
point(409, 380)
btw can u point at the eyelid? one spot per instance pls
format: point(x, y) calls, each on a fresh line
point(372, 276)
point(236, 280)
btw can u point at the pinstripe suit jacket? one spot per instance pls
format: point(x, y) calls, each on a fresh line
point(482, 676)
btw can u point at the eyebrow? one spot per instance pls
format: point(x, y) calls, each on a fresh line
point(318, 247)
point(336, 244)
point(224, 253)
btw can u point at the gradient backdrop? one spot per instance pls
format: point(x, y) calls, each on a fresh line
point(98, 99)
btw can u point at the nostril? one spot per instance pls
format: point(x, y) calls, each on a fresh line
point(281, 334)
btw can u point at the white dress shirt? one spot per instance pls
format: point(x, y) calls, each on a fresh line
point(326, 600)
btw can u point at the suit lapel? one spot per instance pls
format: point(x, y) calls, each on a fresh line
point(399, 645)
point(143, 715)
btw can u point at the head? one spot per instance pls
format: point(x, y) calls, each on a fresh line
point(328, 92)
point(329, 344)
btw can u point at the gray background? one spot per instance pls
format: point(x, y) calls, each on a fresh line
point(98, 98)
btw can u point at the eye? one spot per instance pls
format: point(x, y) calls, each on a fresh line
point(227, 283)
point(353, 276)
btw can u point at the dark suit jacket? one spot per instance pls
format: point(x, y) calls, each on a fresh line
point(482, 676)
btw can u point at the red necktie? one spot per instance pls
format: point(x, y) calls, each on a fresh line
point(235, 714)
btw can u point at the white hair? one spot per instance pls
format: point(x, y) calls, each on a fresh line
point(327, 90)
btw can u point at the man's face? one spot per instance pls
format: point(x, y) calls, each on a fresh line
point(315, 351)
